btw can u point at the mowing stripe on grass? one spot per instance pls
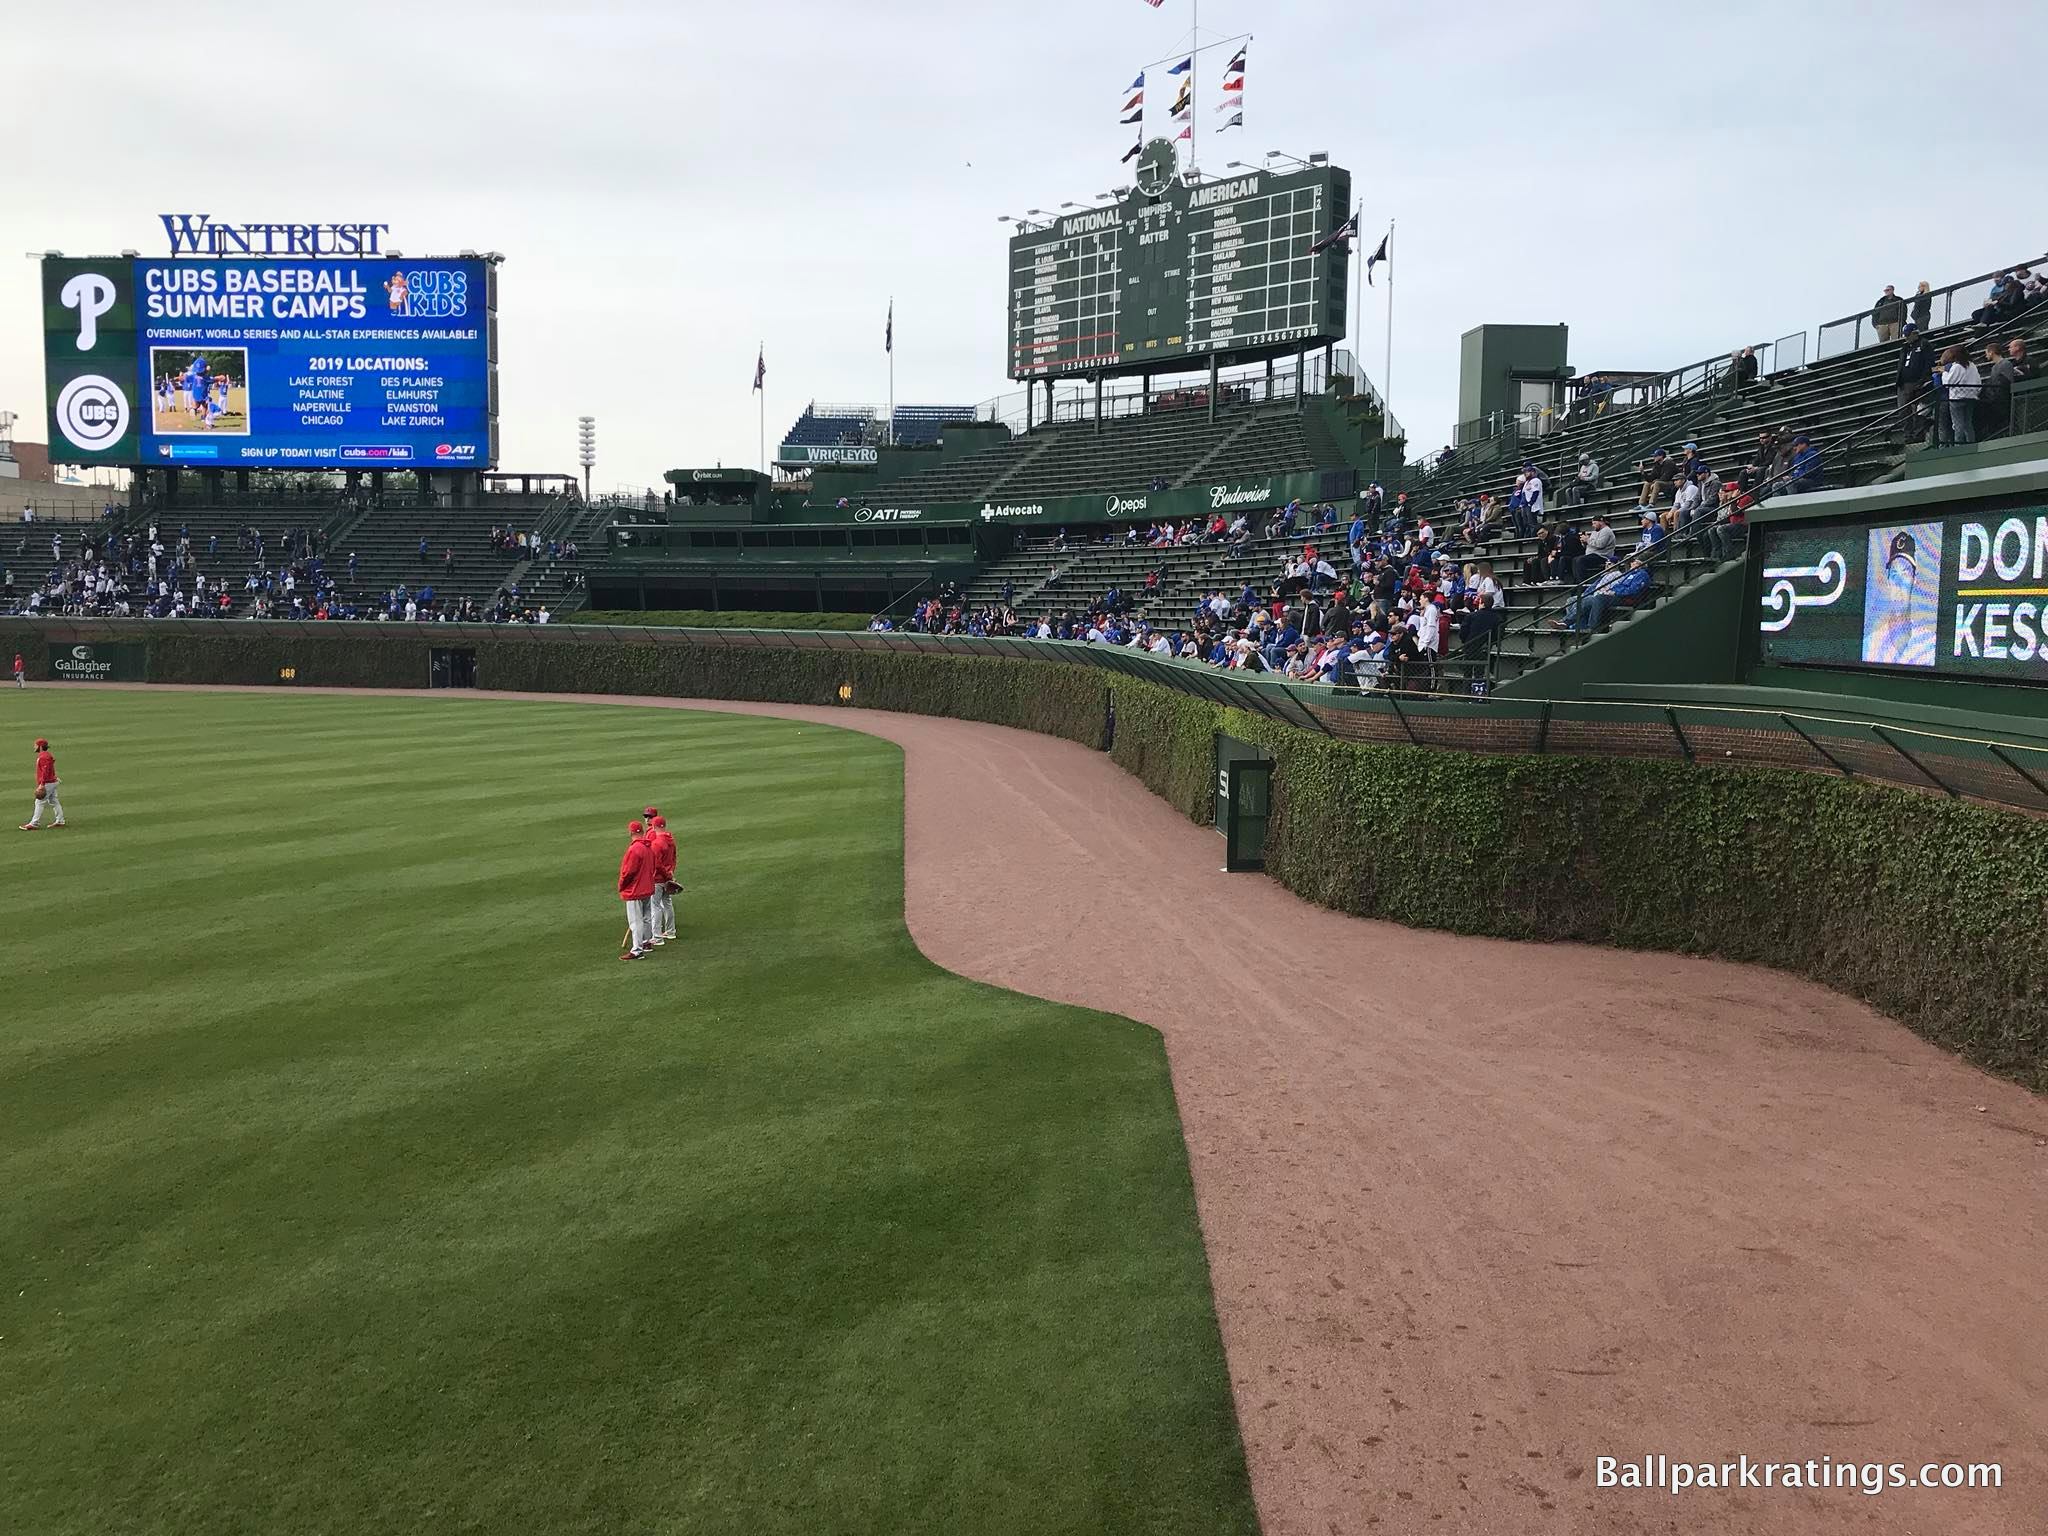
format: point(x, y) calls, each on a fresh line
point(351, 1184)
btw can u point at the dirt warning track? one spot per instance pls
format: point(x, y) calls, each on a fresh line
point(1480, 1212)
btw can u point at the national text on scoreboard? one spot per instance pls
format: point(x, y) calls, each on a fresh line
point(1187, 271)
point(260, 363)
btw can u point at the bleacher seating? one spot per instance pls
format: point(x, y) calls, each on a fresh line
point(831, 426)
point(1847, 397)
point(919, 426)
point(1128, 454)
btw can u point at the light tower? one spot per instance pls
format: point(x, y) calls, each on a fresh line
point(586, 448)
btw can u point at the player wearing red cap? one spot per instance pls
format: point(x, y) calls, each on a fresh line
point(20, 672)
point(636, 890)
point(46, 790)
point(665, 887)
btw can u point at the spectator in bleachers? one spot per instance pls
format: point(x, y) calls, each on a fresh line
point(1685, 498)
point(1915, 377)
point(1598, 553)
point(1994, 410)
point(1585, 482)
point(1652, 532)
point(1564, 560)
point(1659, 476)
point(1745, 370)
point(1923, 306)
point(1589, 610)
point(1803, 473)
point(1730, 529)
point(1888, 314)
point(1962, 384)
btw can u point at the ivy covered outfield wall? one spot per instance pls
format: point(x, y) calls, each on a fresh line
point(1931, 910)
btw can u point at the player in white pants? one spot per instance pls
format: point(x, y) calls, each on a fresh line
point(663, 846)
point(46, 791)
point(636, 890)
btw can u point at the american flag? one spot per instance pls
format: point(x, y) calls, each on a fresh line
point(760, 369)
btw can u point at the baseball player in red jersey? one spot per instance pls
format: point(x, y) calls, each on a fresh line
point(20, 672)
point(636, 890)
point(46, 790)
point(664, 847)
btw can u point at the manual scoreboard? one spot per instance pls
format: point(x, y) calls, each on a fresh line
point(1178, 270)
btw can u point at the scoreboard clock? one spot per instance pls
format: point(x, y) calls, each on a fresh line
point(1181, 270)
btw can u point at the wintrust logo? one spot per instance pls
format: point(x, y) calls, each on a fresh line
point(1124, 506)
point(92, 412)
point(1221, 496)
point(92, 295)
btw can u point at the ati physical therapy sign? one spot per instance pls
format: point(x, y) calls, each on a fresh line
point(1966, 594)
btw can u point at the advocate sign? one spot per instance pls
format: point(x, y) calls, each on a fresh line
point(1965, 594)
point(99, 663)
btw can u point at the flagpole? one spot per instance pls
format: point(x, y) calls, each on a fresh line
point(892, 370)
point(1194, 77)
point(1387, 377)
point(761, 351)
point(1358, 305)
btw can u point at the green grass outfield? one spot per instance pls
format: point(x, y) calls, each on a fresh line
point(349, 1183)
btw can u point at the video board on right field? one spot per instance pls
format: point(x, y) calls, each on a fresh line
point(1964, 595)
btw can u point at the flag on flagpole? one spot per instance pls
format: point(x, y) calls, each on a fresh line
point(1185, 133)
point(760, 368)
point(1137, 84)
point(1228, 102)
point(1345, 232)
point(1378, 255)
point(1133, 152)
point(1155, 4)
point(1137, 100)
point(1235, 84)
point(1183, 66)
point(1136, 117)
point(889, 329)
point(1236, 65)
point(1236, 121)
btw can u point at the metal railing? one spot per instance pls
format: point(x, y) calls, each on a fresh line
point(1123, 397)
point(1936, 309)
point(1834, 338)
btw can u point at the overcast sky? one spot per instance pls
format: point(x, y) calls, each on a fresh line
point(674, 183)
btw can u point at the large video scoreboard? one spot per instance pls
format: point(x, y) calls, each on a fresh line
point(272, 363)
point(1178, 271)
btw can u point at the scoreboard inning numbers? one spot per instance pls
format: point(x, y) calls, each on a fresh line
point(1175, 272)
